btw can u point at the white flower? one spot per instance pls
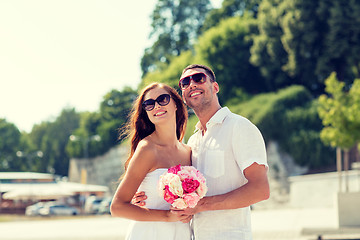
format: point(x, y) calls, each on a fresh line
point(175, 186)
point(202, 189)
point(179, 203)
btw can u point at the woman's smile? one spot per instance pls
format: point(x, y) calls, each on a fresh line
point(159, 113)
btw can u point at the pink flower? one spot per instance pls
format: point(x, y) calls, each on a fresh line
point(179, 203)
point(182, 186)
point(184, 175)
point(174, 169)
point(190, 185)
point(202, 189)
point(191, 199)
point(168, 196)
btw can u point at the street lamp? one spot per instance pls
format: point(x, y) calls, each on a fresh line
point(85, 141)
point(29, 156)
point(39, 154)
point(84, 170)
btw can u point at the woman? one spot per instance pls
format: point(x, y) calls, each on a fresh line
point(157, 126)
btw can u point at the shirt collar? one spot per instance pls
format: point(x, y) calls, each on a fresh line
point(217, 118)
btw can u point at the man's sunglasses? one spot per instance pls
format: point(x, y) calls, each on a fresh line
point(199, 78)
point(162, 100)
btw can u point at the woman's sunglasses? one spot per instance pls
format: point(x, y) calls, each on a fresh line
point(199, 78)
point(162, 100)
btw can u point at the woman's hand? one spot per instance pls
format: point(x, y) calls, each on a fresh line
point(175, 216)
point(139, 199)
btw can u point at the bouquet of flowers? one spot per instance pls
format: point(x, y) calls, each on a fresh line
point(182, 186)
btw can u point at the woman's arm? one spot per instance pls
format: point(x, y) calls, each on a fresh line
point(143, 160)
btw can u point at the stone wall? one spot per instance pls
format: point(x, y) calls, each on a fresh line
point(106, 170)
point(320, 190)
point(102, 170)
point(281, 167)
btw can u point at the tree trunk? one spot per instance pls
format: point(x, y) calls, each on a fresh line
point(346, 168)
point(338, 167)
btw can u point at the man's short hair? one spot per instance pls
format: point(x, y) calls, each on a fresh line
point(207, 69)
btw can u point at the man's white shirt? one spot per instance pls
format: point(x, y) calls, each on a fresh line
point(230, 144)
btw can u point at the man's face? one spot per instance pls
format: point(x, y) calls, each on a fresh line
point(199, 95)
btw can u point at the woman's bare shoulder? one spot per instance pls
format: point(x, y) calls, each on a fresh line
point(187, 147)
point(146, 147)
point(144, 155)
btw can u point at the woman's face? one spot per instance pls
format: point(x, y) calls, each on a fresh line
point(160, 113)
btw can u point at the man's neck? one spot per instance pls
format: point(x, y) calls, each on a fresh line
point(205, 115)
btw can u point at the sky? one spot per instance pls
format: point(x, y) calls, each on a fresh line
point(56, 54)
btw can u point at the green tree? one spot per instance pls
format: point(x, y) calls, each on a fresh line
point(289, 117)
point(267, 51)
point(175, 27)
point(226, 48)
point(340, 116)
point(114, 111)
point(304, 27)
point(99, 131)
point(51, 138)
point(338, 131)
point(9, 145)
point(324, 34)
point(230, 8)
point(342, 41)
point(171, 74)
point(303, 41)
point(84, 141)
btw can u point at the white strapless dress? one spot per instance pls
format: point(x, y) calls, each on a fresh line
point(156, 230)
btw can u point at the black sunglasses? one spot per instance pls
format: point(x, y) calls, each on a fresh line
point(199, 78)
point(162, 100)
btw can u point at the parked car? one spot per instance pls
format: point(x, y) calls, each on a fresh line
point(104, 207)
point(58, 209)
point(92, 205)
point(33, 210)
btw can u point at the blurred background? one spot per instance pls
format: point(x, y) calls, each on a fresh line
point(72, 69)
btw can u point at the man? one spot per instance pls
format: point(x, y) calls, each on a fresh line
point(230, 151)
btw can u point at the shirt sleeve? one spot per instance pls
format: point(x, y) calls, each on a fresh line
point(248, 145)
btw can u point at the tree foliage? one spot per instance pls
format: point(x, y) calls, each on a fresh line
point(267, 51)
point(99, 131)
point(255, 47)
point(226, 48)
point(51, 138)
point(9, 145)
point(114, 111)
point(299, 41)
point(175, 27)
point(171, 74)
point(230, 8)
point(289, 117)
point(340, 112)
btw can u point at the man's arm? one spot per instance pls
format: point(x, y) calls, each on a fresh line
point(255, 190)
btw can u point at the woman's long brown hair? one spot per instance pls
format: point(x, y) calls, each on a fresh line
point(139, 125)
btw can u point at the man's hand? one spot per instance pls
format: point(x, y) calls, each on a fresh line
point(139, 199)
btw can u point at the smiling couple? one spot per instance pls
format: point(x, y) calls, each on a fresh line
point(226, 148)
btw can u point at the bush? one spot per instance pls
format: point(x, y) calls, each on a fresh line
point(289, 117)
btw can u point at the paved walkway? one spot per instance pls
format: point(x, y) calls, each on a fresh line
point(299, 224)
point(277, 224)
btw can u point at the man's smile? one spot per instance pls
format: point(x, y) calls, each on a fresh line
point(195, 93)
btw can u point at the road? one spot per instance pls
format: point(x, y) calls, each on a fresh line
point(77, 228)
point(279, 224)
